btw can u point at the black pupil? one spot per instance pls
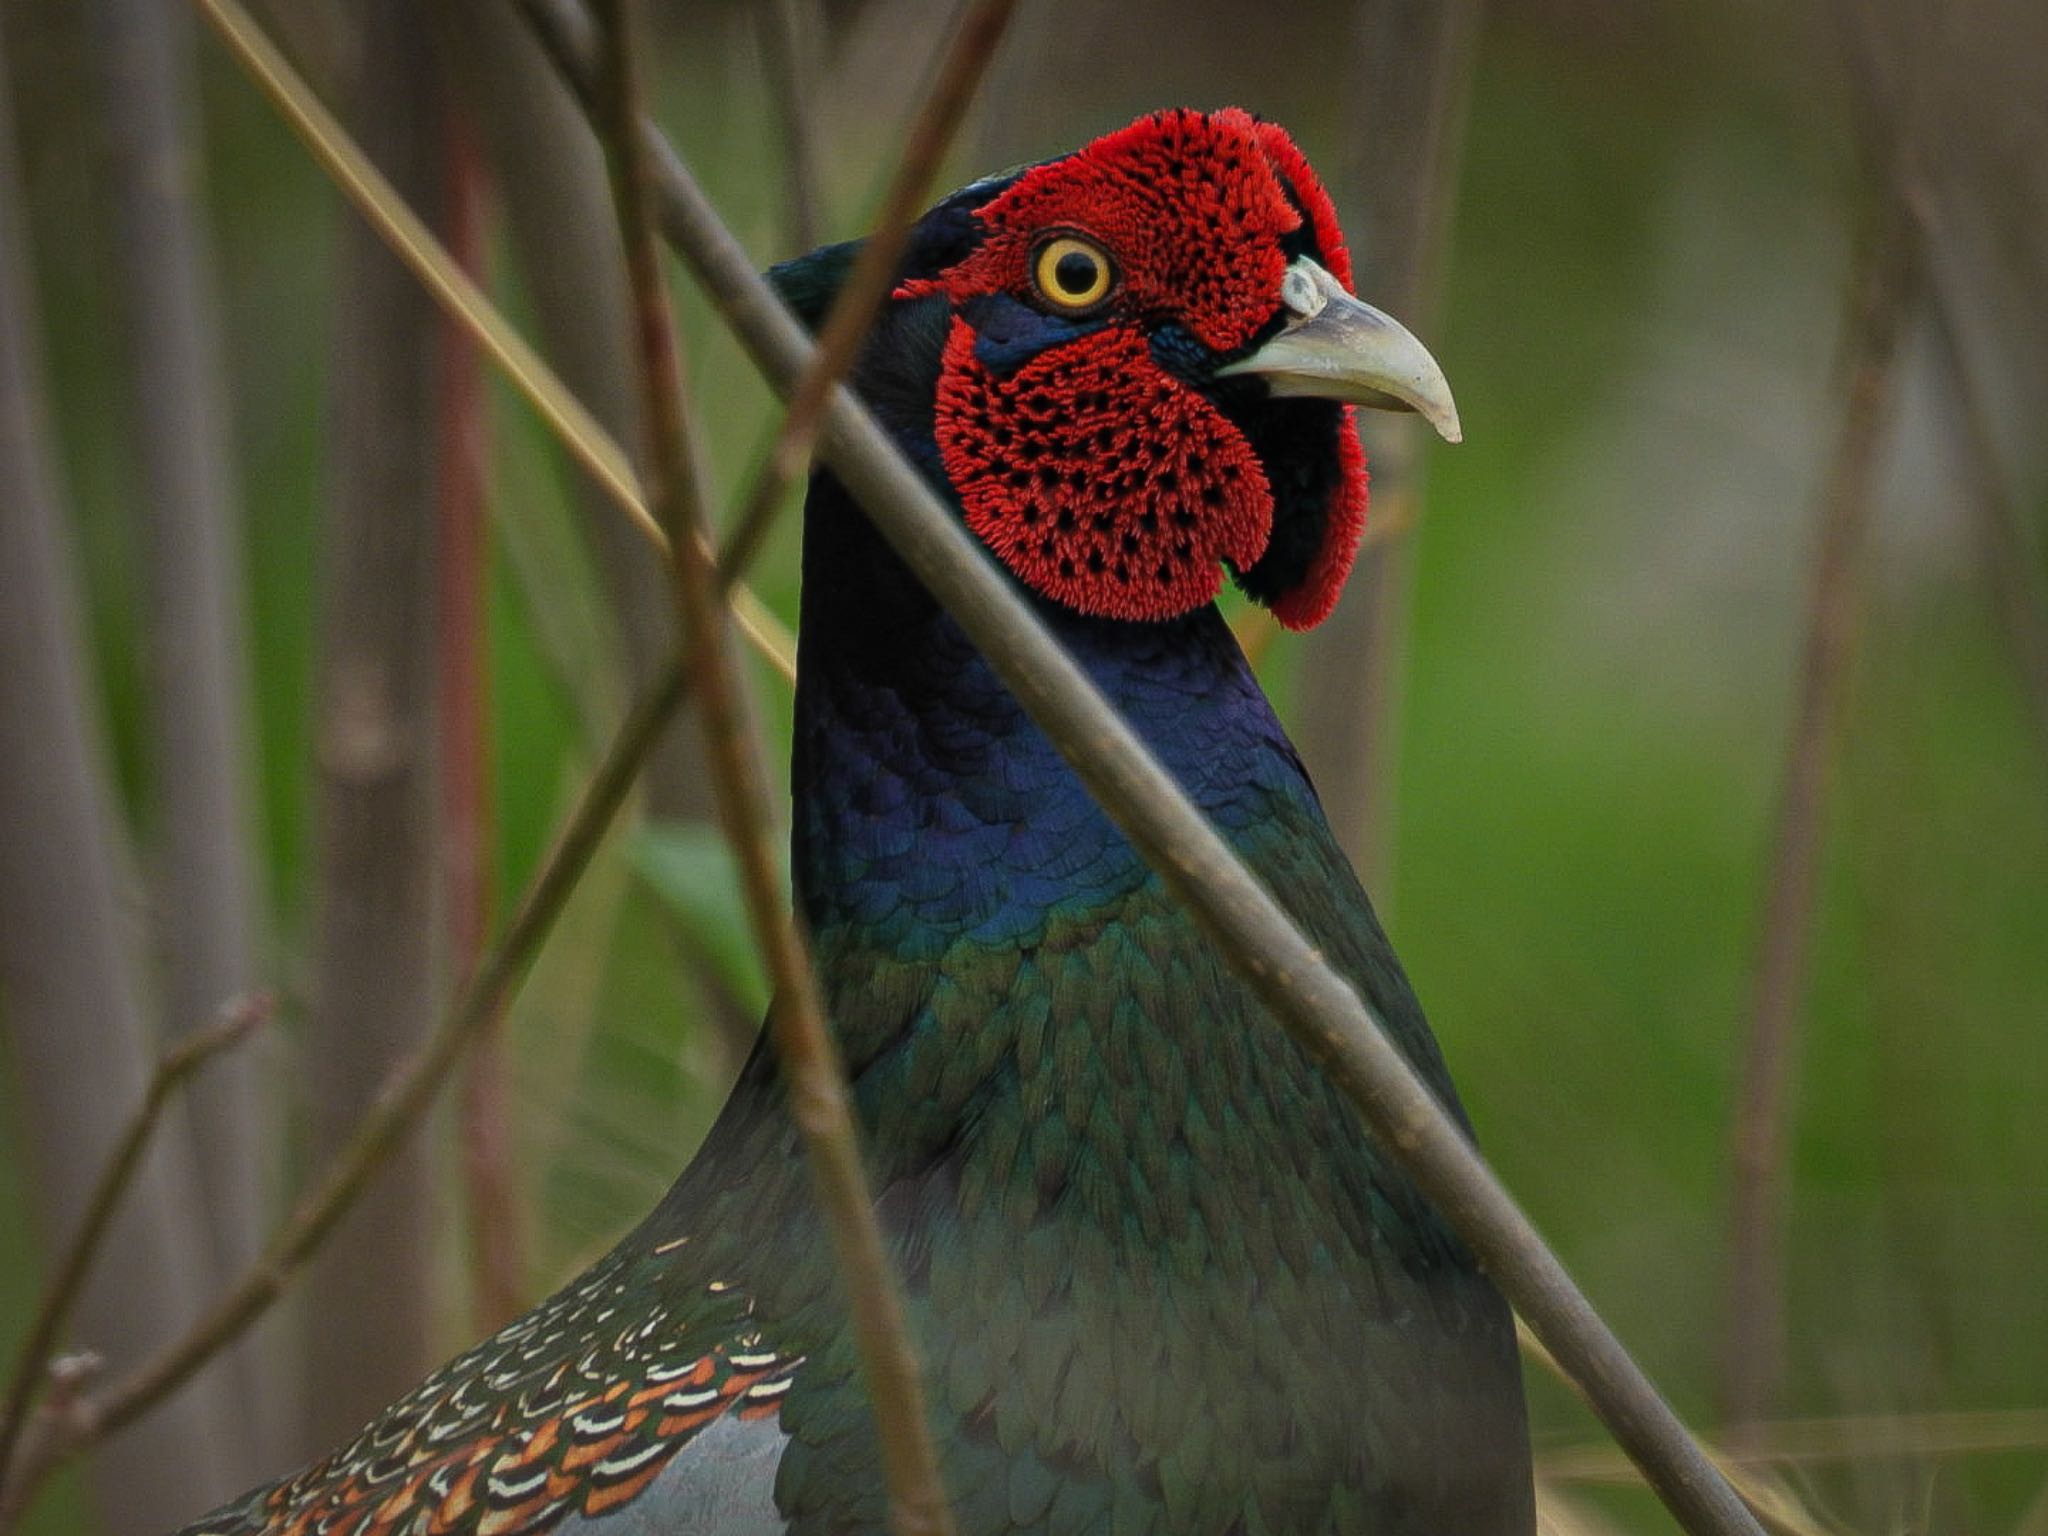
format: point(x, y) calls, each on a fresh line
point(1074, 273)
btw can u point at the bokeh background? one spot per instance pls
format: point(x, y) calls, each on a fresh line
point(391, 626)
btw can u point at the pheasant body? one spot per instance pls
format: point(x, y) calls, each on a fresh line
point(1160, 1275)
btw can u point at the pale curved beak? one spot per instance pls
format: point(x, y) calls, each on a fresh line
point(1337, 347)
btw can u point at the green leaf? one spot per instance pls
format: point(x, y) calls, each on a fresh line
point(689, 866)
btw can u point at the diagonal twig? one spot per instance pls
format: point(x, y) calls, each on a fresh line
point(234, 1025)
point(1404, 133)
point(820, 1101)
point(404, 1100)
point(75, 1011)
point(1880, 292)
point(1851, 1437)
point(467, 304)
point(490, 1180)
point(1775, 1507)
point(2010, 562)
point(190, 513)
point(874, 269)
point(786, 57)
point(397, 1110)
point(1254, 935)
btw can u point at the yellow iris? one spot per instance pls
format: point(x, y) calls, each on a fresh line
point(1072, 273)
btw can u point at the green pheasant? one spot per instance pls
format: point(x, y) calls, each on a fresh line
point(1161, 1276)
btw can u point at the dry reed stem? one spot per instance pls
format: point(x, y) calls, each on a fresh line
point(1850, 1437)
point(1404, 131)
point(91, 1418)
point(490, 1178)
point(397, 1110)
point(2011, 564)
point(815, 1077)
point(74, 987)
point(194, 1050)
point(784, 31)
point(1774, 1505)
point(1879, 294)
point(874, 269)
point(188, 504)
point(581, 433)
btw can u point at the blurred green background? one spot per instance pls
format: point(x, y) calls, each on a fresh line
point(1650, 232)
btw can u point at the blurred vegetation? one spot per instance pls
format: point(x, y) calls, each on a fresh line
point(1640, 311)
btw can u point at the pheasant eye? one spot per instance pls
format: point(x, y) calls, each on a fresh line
point(1072, 274)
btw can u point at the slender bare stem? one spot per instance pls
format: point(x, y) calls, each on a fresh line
point(1773, 1506)
point(398, 1109)
point(374, 990)
point(1851, 1437)
point(193, 1051)
point(550, 186)
point(874, 269)
point(1408, 113)
point(412, 1088)
point(785, 28)
point(198, 695)
point(820, 1102)
point(2011, 563)
point(445, 281)
point(1879, 293)
point(489, 1176)
point(1254, 935)
point(76, 1024)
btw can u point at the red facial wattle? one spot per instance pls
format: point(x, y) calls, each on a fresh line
point(1102, 478)
point(1307, 602)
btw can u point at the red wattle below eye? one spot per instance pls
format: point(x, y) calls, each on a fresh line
point(1100, 480)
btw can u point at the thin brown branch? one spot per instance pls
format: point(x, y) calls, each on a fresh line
point(32, 1366)
point(1879, 294)
point(1775, 1508)
point(785, 28)
point(450, 287)
point(413, 1087)
point(374, 989)
point(820, 1102)
point(400, 1107)
point(1854, 1437)
point(76, 1028)
point(397, 1110)
point(1254, 936)
point(2011, 564)
point(874, 269)
point(1413, 76)
point(188, 505)
point(550, 184)
point(490, 1180)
